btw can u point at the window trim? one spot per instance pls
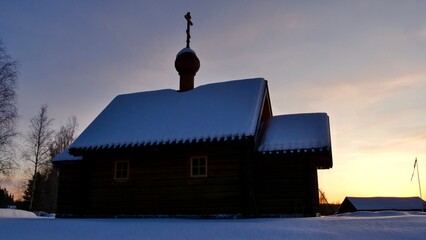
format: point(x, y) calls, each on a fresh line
point(121, 179)
point(191, 162)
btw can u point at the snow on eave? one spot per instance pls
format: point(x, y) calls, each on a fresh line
point(307, 132)
point(65, 156)
point(226, 110)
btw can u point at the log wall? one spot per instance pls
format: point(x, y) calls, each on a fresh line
point(286, 184)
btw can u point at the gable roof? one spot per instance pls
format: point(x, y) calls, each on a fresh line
point(308, 131)
point(220, 110)
point(351, 204)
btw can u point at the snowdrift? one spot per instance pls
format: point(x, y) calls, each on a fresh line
point(15, 213)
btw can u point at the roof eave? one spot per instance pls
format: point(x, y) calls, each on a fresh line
point(321, 156)
point(80, 151)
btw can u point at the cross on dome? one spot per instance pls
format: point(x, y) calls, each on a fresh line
point(189, 23)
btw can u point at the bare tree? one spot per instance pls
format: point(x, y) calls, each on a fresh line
point(64, 137)
point(37, 149)
point(46, 194)
point(8, 110)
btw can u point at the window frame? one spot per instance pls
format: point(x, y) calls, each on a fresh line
point(198, 175)
point(127, 170)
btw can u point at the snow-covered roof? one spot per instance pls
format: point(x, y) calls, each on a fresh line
point(385, 203)
point(213, 111)
point(295, 132)
point(65, 156)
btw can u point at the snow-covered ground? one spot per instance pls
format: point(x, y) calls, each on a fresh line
point(361, 225)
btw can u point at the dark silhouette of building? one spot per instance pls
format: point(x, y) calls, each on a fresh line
point(213, 149)
point(354, 204)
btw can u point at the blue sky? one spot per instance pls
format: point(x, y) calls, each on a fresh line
point(362, 62)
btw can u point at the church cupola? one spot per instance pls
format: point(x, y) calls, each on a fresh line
point(187, 62)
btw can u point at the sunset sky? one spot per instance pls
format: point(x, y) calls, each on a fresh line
point(362, 62)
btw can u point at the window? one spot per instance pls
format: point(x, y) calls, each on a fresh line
point(199, 167)
point(121, 172)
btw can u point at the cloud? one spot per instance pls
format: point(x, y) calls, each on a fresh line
point(361, 93)
point(421, 33)
point(373, 115)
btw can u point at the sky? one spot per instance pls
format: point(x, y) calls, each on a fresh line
point(361, 62)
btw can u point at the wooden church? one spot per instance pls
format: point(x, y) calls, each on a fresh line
point(211, 150)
